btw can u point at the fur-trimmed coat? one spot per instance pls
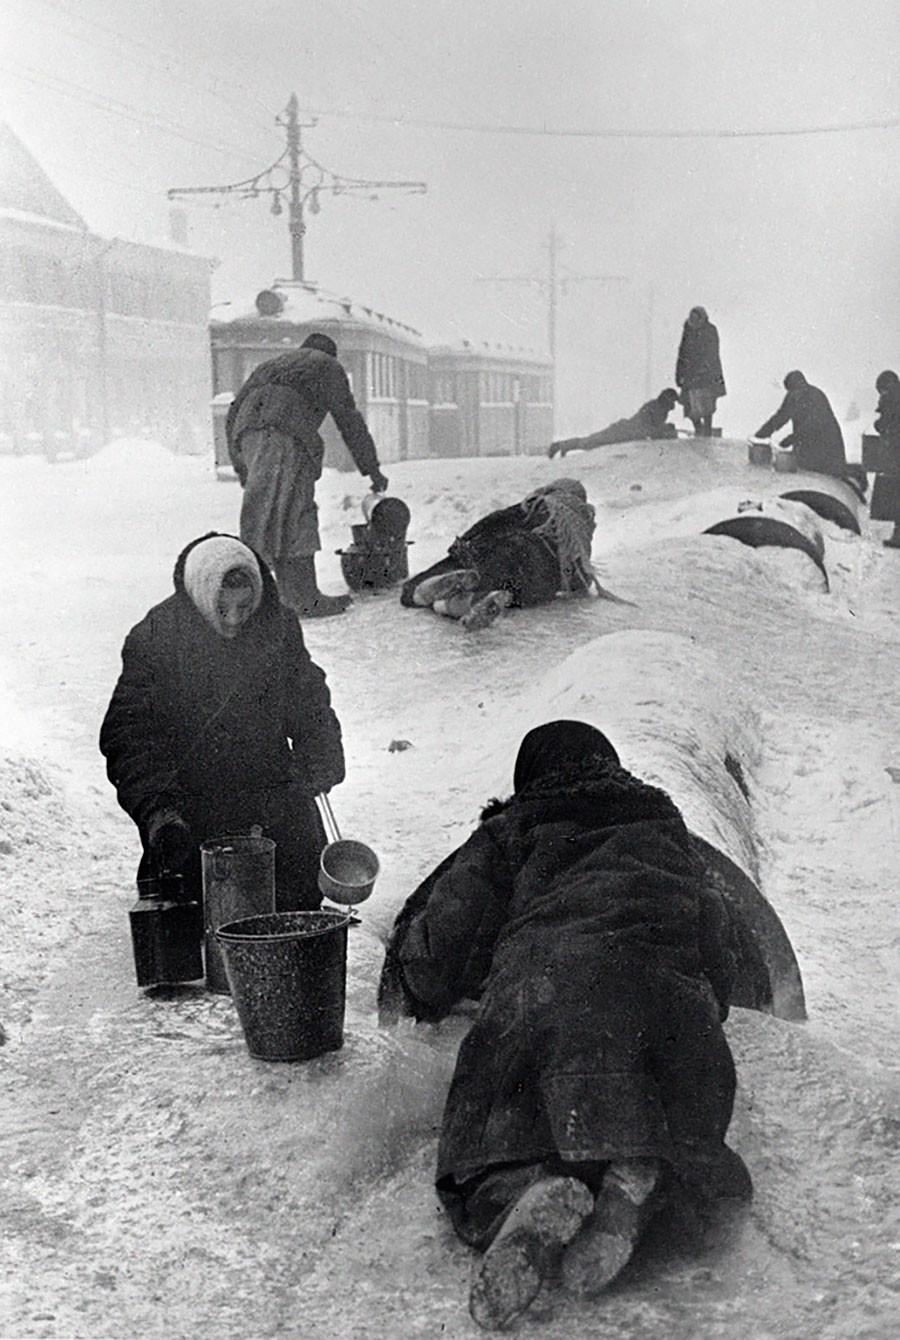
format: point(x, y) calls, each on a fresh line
point(577, 915)
point(227, 734)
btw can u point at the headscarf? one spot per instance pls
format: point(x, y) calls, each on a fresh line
point(794, 381)
point(568, 528)
point(558, 744)
point(885, 380)
point(697, 316)
point(206, 566)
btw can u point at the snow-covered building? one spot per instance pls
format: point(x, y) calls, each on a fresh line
point(98, 336)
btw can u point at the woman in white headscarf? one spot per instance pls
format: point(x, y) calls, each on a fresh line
point(221, 721)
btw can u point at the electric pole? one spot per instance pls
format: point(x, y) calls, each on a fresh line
point(296, 175)
point(553, 285)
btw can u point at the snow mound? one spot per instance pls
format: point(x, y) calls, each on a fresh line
point(137, 457)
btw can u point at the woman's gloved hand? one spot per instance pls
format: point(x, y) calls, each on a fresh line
point(170, 840)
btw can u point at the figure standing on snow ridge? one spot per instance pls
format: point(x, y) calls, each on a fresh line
point(698, 371)
point(886, 489)
point(596, 1083)
point(221, 721)
point(517, 556)
point(273, 439)
point(815, 436)
point(647, 425)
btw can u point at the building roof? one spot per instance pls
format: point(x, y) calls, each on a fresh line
point(25, 187)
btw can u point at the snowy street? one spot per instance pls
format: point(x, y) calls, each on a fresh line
point(159, 1182)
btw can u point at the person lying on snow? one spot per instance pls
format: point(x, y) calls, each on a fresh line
point(596, 1084)
point(221, 721)
point(518, 556)
point(647, 425)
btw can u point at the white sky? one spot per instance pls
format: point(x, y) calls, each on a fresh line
point(790, 242)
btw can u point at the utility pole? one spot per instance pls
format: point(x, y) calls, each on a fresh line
point(296, 175)
point(553, 285)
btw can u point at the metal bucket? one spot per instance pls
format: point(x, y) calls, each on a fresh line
point(238, 881)
point(759, 453)
point(288, 977)
point(347, 868)
point(388, 517)
point(784, 462)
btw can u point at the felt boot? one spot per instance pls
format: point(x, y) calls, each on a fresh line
point(445, 585)
point(298, 589)
point(527, 1248)
point(486, 610)
point(628, 1197)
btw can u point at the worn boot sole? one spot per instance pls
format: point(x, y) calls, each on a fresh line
point(629, 1195)
point(542, 1222)
point(445, 585)
point(486, 610)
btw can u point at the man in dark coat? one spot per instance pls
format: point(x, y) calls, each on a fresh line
point(596, 1079)
point(221, 721)
point(273, 439)
point(518, 556)
point(886, 489)
point(816, 437)
point(698, 370)
point(647, 425)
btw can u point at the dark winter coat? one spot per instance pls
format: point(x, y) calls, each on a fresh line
point(647, 425)
point(577, 914)
point(698, 365)
point(508, 556)
point(293, 393)
point(815, 436)
point(226, 733)
point(888, 420)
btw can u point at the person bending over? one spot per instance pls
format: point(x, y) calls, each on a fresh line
point(596, 1084)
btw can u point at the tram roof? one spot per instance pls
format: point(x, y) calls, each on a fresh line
point(304, 304)
point(484, 351)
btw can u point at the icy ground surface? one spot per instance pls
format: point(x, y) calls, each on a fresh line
point(157, 1181)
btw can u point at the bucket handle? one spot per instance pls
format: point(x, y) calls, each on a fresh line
point(332, 832)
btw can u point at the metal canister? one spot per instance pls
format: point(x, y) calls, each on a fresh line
point(238, 882)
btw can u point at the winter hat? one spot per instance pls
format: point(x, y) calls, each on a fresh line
point(794, 381)
point(324, 343)
point(556, 745)
point(885, 380)
point(205, 568)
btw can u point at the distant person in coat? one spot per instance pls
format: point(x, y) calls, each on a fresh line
point(648, 424)
point(698, 371)
point(596, 1084)
point(518, 556)
point(886, 489)
point(221, 721)
point(273, 439)
point(816, 437)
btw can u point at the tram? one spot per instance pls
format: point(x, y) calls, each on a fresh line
point(418, 401)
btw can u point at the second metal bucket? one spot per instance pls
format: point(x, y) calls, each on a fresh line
point(238, 881)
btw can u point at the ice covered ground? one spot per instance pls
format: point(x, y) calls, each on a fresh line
point(158, 1181)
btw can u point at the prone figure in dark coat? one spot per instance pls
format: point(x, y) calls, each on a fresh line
point(274, 442)
point(517, 556)
point(596, 1084)
point(647, 425)
point(220, 722)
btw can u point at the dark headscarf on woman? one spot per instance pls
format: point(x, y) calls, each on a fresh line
point(557, 744)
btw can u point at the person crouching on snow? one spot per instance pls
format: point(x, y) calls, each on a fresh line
point(221, 721)
point(596, 1084)
point(518, 556)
